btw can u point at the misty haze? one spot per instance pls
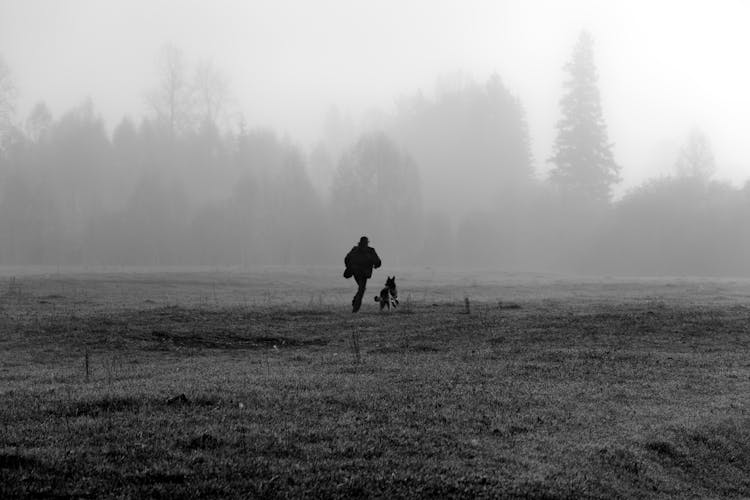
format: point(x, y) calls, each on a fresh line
point(547, 201)
point(446, 172)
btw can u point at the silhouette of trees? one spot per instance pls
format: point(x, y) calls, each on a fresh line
point(469, 138)
point(7, 103)
point(679, 224)
point(127, 161)
point(322, 169)
point(272, 216)
point(38, 122)
point(29, 223)
point(211, 89)
point(7, 92)
point(584, 165)
point(376, 191)
point(439, 240)
point(469, 135)
point(290, 211)
point(30, 206)
point(178, 188)
point(696, 158)
point(676, 225)
point(171, 100)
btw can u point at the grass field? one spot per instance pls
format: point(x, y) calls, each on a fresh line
point(263, 384)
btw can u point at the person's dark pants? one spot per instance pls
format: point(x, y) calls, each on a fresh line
point(357, 300)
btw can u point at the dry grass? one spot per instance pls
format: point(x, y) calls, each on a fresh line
point(547, 388)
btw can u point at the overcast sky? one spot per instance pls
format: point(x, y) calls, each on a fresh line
point(664, 66)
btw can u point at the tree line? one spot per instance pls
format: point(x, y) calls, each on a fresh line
point(443, 180)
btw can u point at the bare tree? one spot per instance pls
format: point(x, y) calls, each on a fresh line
point(38, 122)
point(696, 158)
point(211, 92)
point(8, 94)
point(171, 101)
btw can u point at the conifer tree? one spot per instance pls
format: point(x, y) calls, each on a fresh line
point(582, 154)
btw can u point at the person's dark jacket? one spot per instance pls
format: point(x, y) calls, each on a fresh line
point(360, 261)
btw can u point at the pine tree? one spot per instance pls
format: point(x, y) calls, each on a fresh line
point(582, 154)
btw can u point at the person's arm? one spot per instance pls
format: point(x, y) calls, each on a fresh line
point(375, 259)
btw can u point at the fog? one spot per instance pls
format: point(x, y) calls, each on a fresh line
point(570, 136)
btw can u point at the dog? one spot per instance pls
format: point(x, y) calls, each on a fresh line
point(388, 295)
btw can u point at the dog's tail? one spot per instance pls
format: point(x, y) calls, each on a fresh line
point(377, 298)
